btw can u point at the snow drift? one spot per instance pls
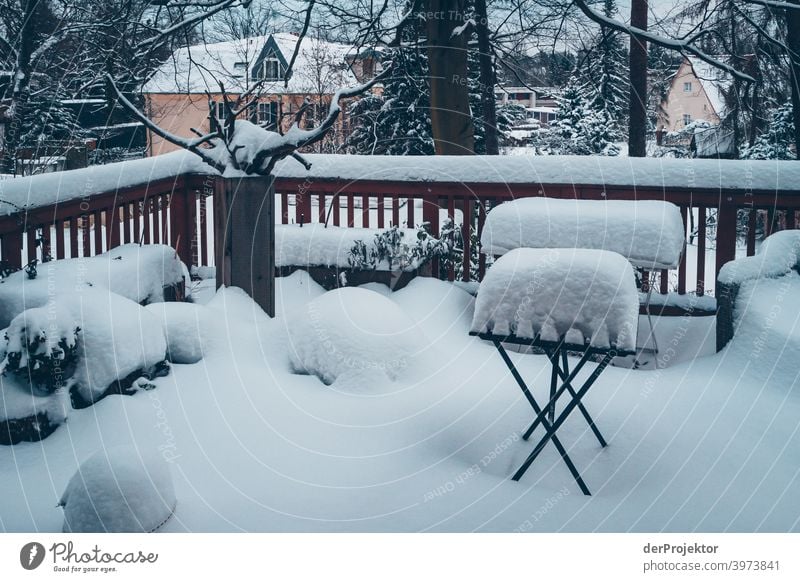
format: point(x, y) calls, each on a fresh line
point(553, 291)
point(352, 331)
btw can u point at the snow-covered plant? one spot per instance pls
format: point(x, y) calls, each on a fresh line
point(452, 251)
point(40, 354)
point(391, 250)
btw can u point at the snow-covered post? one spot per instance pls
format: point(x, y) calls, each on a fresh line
point(244, 232)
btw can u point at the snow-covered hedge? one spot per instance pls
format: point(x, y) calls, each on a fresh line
point(392, 249)
point(139, 273)
point(552, 292)
point(92, 341)
point(649, 233)
point(351, 331)
point(119, 489)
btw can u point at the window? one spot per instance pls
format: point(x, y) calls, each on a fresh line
point(268, 113)
point(239, 69)
point(271, 69)
point(219, 109)
point(687, 119)
point(687, 87)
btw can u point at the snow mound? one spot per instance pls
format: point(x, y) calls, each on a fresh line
point(87, 340)
point(552, 291)
point(120, 489)
point(316, 245)
point(351, 331)
point(649, 233)
point(767, 325)
point(139, 273)
point(777, 255)
point(185, 329)
point(25, 416)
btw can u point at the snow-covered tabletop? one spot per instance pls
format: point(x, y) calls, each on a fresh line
point(587, 296)
point(649, 233)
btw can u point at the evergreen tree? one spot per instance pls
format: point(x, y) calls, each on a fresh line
point(605, 76)
point(776, 142)
point(398, 121)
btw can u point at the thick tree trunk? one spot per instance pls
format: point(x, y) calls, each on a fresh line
point(793, 41)
point(451, 121)
point(637, 124)
point(487, 80)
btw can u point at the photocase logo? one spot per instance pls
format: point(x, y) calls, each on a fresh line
point(31, 555)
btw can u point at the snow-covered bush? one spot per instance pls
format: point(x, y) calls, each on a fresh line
point(551, 292)
point(185, 329)
point(92, 341)
point(140, 273)
point(119, 489)
point(776, 143)
point(394, 250)
point(352, 331)
point(25, 416)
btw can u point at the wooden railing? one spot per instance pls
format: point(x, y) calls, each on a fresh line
point(740, 216)
point(176, 211)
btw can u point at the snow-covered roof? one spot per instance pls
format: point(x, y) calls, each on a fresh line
point(715, 83)
point(321, 66)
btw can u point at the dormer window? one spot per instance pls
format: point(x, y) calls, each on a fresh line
point(271, 69)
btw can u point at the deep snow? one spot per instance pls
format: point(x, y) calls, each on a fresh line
point(710, 444)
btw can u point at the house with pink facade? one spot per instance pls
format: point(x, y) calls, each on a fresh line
point(698, 92)
point(178, 97)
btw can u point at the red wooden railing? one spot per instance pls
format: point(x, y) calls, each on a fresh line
point(174, 211)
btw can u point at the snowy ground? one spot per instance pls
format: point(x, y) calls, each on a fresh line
point(710, 444)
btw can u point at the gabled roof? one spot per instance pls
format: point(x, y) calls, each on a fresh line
point(321, 66)
point(714, 81)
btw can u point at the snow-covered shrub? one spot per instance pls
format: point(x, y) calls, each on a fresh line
point(185, 329)
point(92, 341)
point(119, 489)
point(394, 250)
point(351, 331)
point(140, 273)
point(777, 142)
point(550, 292)
point(25, 416)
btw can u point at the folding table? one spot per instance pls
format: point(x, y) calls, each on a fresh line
point(561, 381)
point(562, 301)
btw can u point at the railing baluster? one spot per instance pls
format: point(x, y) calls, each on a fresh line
point(410, 212)
point(466, 228)
point(365, 211)
point(350, 211)
point(395, 211)
point(752, 222)
point(335, 209)
point(147, 215)
point(98, 232)
point(31, 243)
point(60, 242)
point(113, 227)
point(47, 243)
point(284, 208)
point(481, 222)
point(451, 213)
point(380, 211)
point(790, 219)
point(203, 250)
point(682, 265)
point(701, 250)
point(321, 208)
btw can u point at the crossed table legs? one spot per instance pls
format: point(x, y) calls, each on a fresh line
point(546, 416)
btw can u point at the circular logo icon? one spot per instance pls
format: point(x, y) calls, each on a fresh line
point(31, 555)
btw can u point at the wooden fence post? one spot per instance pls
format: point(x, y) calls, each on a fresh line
point(244, 237)
point(726, 251)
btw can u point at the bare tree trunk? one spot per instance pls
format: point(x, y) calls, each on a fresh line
point(20, 89)
point(451, 121)
point(487, 80)
point(637, 124)
point(793, 41)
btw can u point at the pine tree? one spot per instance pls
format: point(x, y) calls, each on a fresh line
point(605, 77)
point(398, 121)
point(776, 142)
